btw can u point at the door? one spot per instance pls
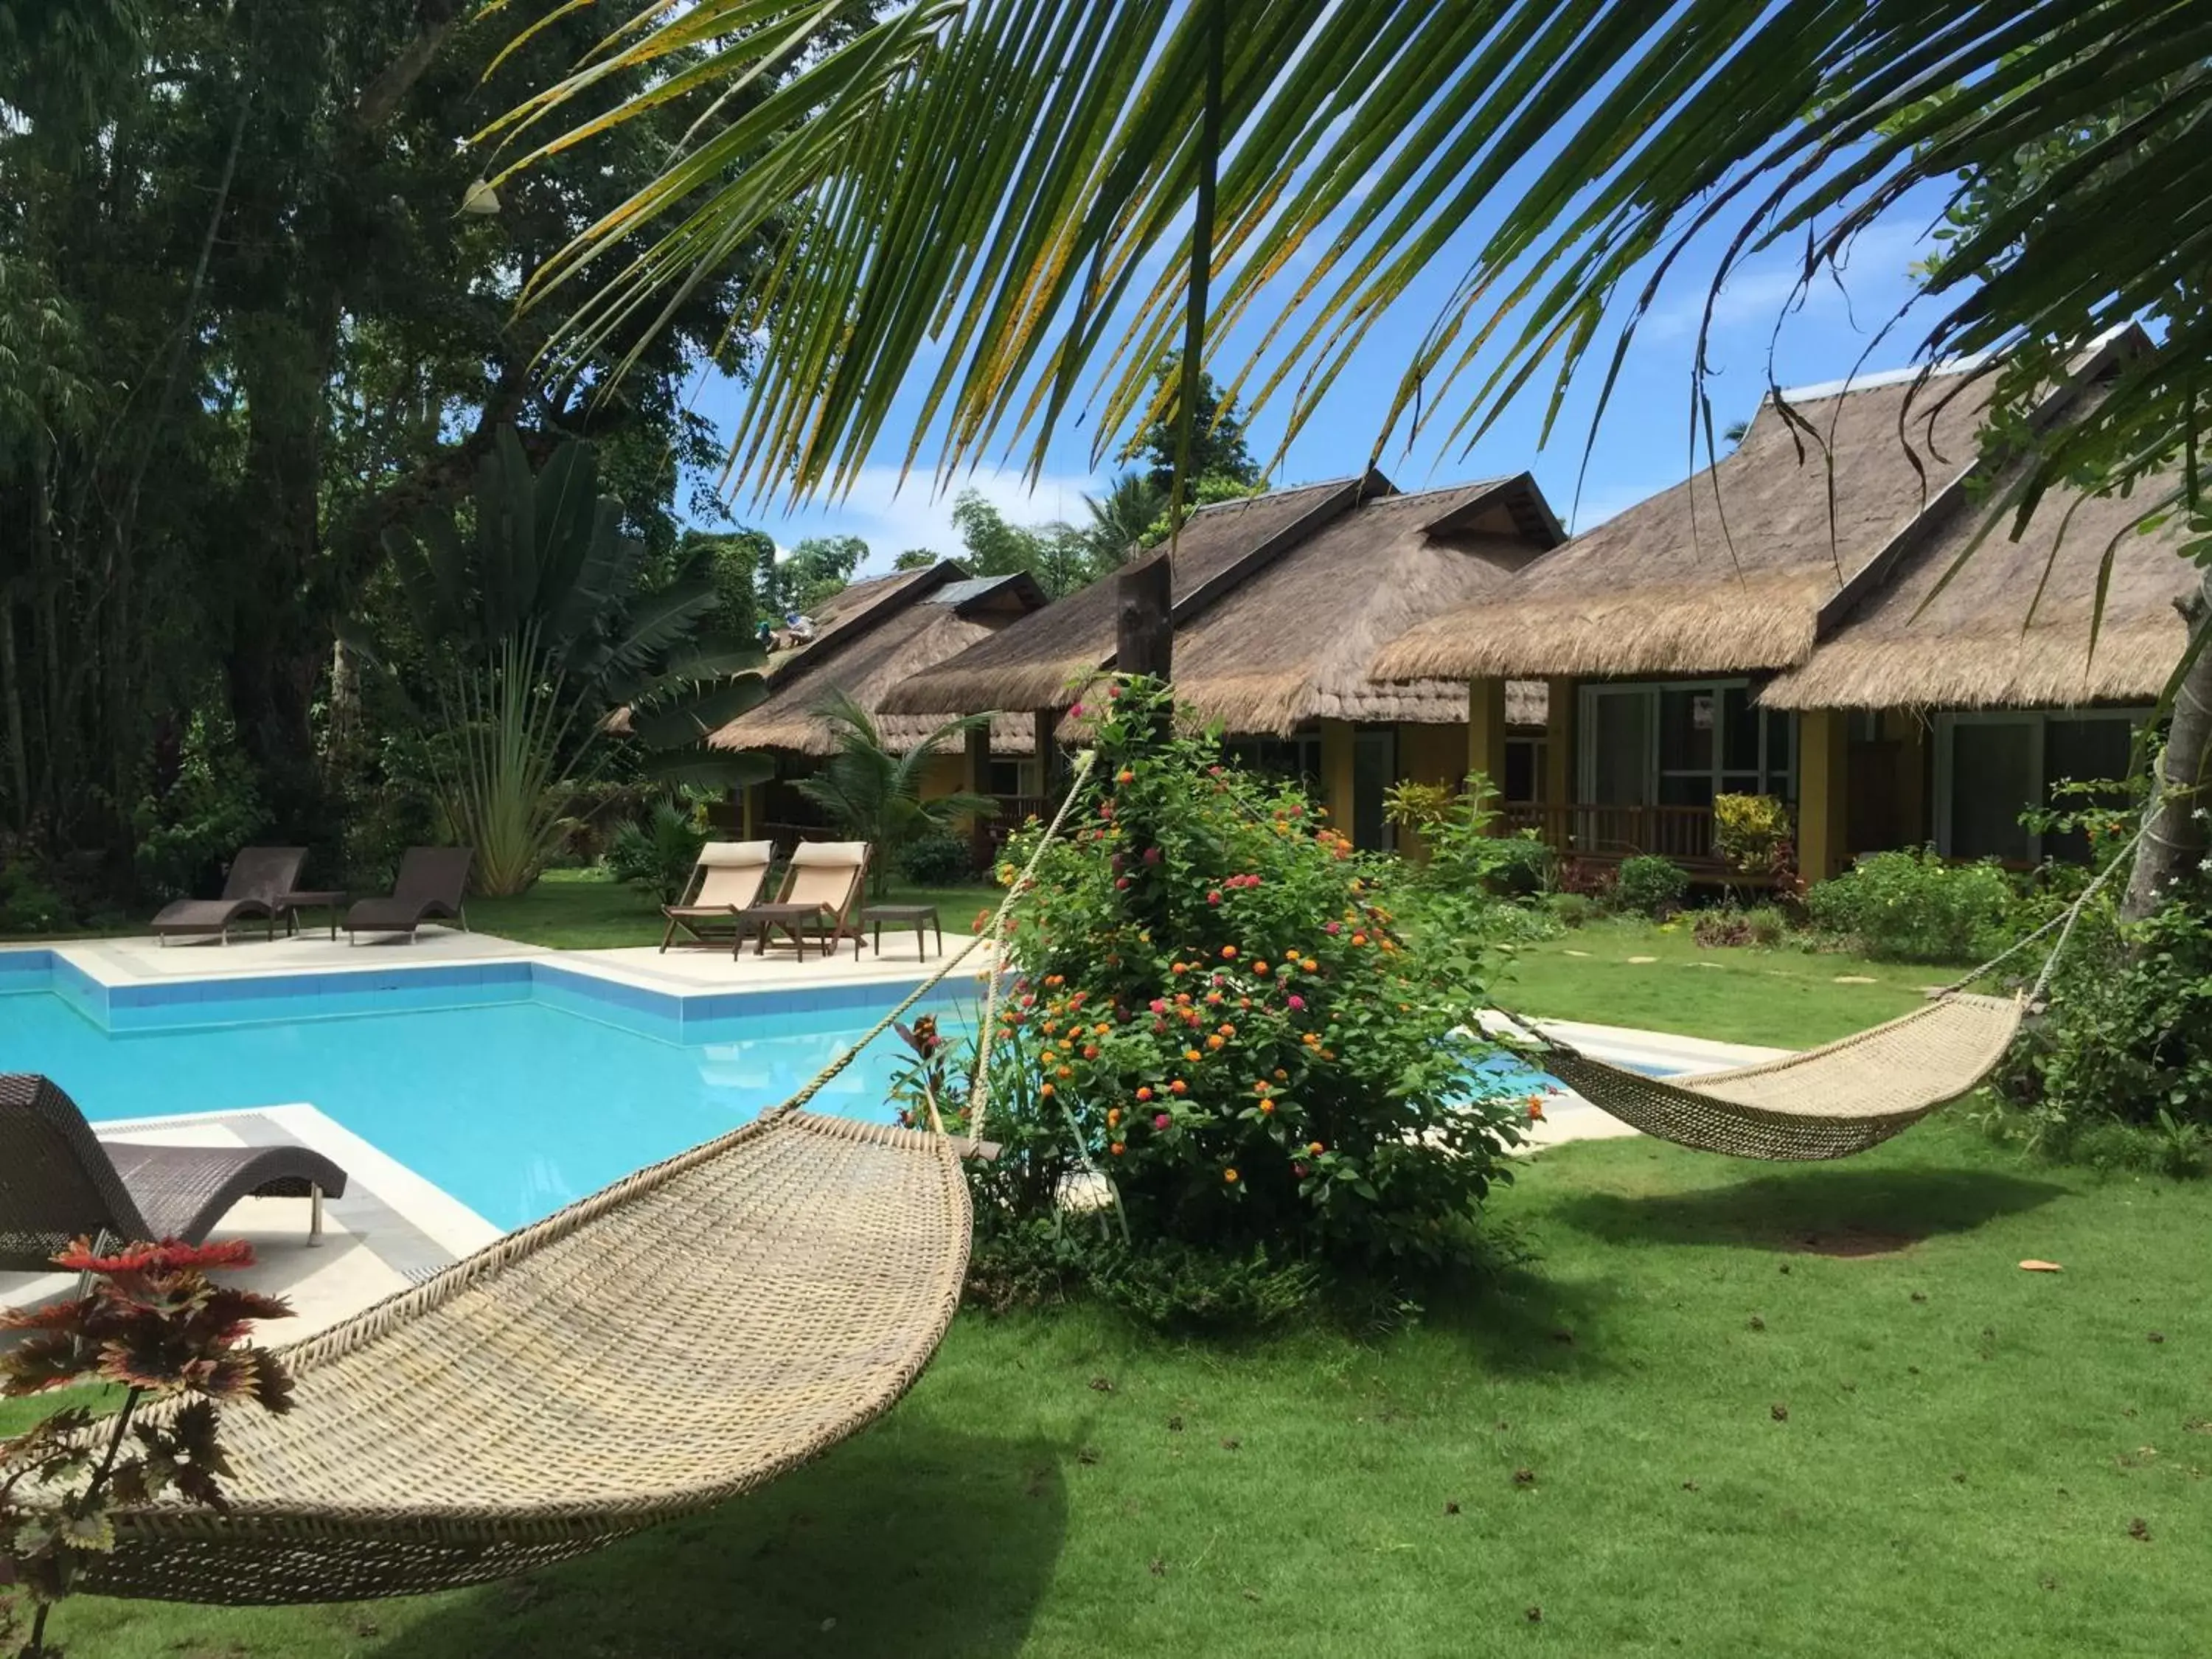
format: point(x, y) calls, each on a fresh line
point(1373, 769)
point(1995, 765)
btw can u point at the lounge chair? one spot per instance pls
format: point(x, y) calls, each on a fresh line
point(58, 1181)
point(727, 879)
point(821, 897)
point(258, 877)
point(432, 881)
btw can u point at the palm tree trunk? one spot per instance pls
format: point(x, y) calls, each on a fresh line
point(2173, 838)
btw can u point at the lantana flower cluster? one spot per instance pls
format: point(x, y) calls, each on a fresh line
point(1217, 999)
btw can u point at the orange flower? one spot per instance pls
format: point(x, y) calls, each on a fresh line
point(1229, 1176)
point(1143, 1094)
point(1178, 1087)
point(1065, 1072)
point(1316, 1148)
point(1359, 938)
point(1091, 1051)
point(1267, 1107)
point(1229, 1031)
point(1535, 1109)
point(1281, 1076)
point(1046, 1057)
point(1112, 1116)
point(1056, 979)
point(1190, 1053)
point(1047, 1092)
point(1216, 1040)
point(1116, 1149)
point(1310, 964)
point(1260, 969)
point(1228, 953)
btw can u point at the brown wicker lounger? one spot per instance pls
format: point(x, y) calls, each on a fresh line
point(258, 876)
point(58, 1181)
point(432, 881)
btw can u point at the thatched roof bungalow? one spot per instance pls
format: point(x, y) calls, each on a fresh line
point(1280, 602)
point(868, 639)
point(1781, 623)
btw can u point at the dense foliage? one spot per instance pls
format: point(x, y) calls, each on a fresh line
point(2118, 1066)
point(1218, 1017)
point(244, 329)
point(1649, 886)
point(1909, 905)
point(872, 790)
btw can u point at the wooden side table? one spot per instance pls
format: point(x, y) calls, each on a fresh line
point(332, 899)
point(922, 917)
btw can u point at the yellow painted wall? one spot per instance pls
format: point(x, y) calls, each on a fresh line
point(1336, 773)
point(1485, 731)
point(1429, 754)
point(1823, 786)
point(945, 773)
point(1559, 742)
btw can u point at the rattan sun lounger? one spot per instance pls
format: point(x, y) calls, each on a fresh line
point(58, 1181)
point(432, 881)
point(729, 878)
point(258, 876)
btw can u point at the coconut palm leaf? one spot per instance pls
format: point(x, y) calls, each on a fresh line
point(988, 187)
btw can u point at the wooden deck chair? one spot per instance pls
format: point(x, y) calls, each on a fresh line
point(821, 894)
point(726, 880)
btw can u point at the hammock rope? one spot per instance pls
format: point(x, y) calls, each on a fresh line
point(686, 1335)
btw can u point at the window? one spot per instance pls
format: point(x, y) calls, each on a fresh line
point(1524, 770)
point(1681, 744)
point(1295, 759)
point(1990, 767)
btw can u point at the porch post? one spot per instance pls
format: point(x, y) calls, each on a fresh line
point(1563, 696)
point(749, 810)
point(1485, 735)
point(1823, 792)
point(1914, 818)
point(1336, 784)
point(979, 783)
point(1043, 724)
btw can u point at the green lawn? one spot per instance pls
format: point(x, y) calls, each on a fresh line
point(1632, 973)
point(1720, 1408)
point(1965, 1451)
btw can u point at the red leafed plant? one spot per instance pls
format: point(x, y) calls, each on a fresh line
point(154, 1323)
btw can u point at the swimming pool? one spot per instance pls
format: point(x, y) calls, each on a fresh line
point(526, 1095)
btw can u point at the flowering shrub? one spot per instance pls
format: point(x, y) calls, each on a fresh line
point(154, 1324)
point(1912, 906)
point(1214, 1016)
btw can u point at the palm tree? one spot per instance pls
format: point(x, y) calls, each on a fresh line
point(1123, 518)
point(873, 793)
point(993, 184)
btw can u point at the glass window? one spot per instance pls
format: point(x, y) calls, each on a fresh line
point(1686, 717)
point(2084, 751)
point(1992, 780)
point(1739, 730)
point(1524, 770)
point(1780, 763)
point(1620, 754)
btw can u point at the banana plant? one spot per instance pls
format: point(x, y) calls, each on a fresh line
point(873, 791)
point(547, 650)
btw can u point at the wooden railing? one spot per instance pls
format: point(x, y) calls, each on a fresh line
point(1682, 833)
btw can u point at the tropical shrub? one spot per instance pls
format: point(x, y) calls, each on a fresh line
point(936, 857)
point(27, 903)
point(154, 1324)
point(659, 853)
point(2125, 1040)
point(187, 832)
point(1763, 926)
point(1912, 906)
point(1751, 832)
point(1216, 1023)
point(1649, 886)
point(1570, 909)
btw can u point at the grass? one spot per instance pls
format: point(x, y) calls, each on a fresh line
point(1732, 1441)
point(1626, 972)
point(1714, 1408)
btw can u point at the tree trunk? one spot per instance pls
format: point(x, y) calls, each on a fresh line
point(2173, 838)
point(1144, 637)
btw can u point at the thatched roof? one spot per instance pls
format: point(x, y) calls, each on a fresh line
point(1037, 662)
point(1280, 602)
point(1293, 644)
point(875, 636)
point(1987, 641)
point(1728, 571)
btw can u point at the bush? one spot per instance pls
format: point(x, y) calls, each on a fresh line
point(1570, 909)
point(1768, 927)
point(1751, 832)
point(1649, 886)
point(1214, 1012)
point(658, 855)
point(936, 859)
point(27, 903)
point(188, 832)
point(1763, 926)
point(2126, 1037)
point(1912, 906)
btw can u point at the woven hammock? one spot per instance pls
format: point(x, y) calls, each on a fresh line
point(1829, 1102)
point(683, 1336)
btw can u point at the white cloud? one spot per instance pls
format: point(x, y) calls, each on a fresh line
point(892, 516)
point(1756, 293)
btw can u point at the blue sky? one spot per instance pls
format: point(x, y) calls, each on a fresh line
point(1643, 445)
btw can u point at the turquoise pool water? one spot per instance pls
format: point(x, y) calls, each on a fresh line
point(515, 1107)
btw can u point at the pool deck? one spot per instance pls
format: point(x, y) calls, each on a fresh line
point(394, 1228)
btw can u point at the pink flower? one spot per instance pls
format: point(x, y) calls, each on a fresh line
point(1075, 709)
point(1213, 896)
point(1113, 690)
point(1152, 855)
point(1161, 1120)
point(1120, 881)
point(1158, 1005)
point(1334, 928)
point(1297, 1002)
